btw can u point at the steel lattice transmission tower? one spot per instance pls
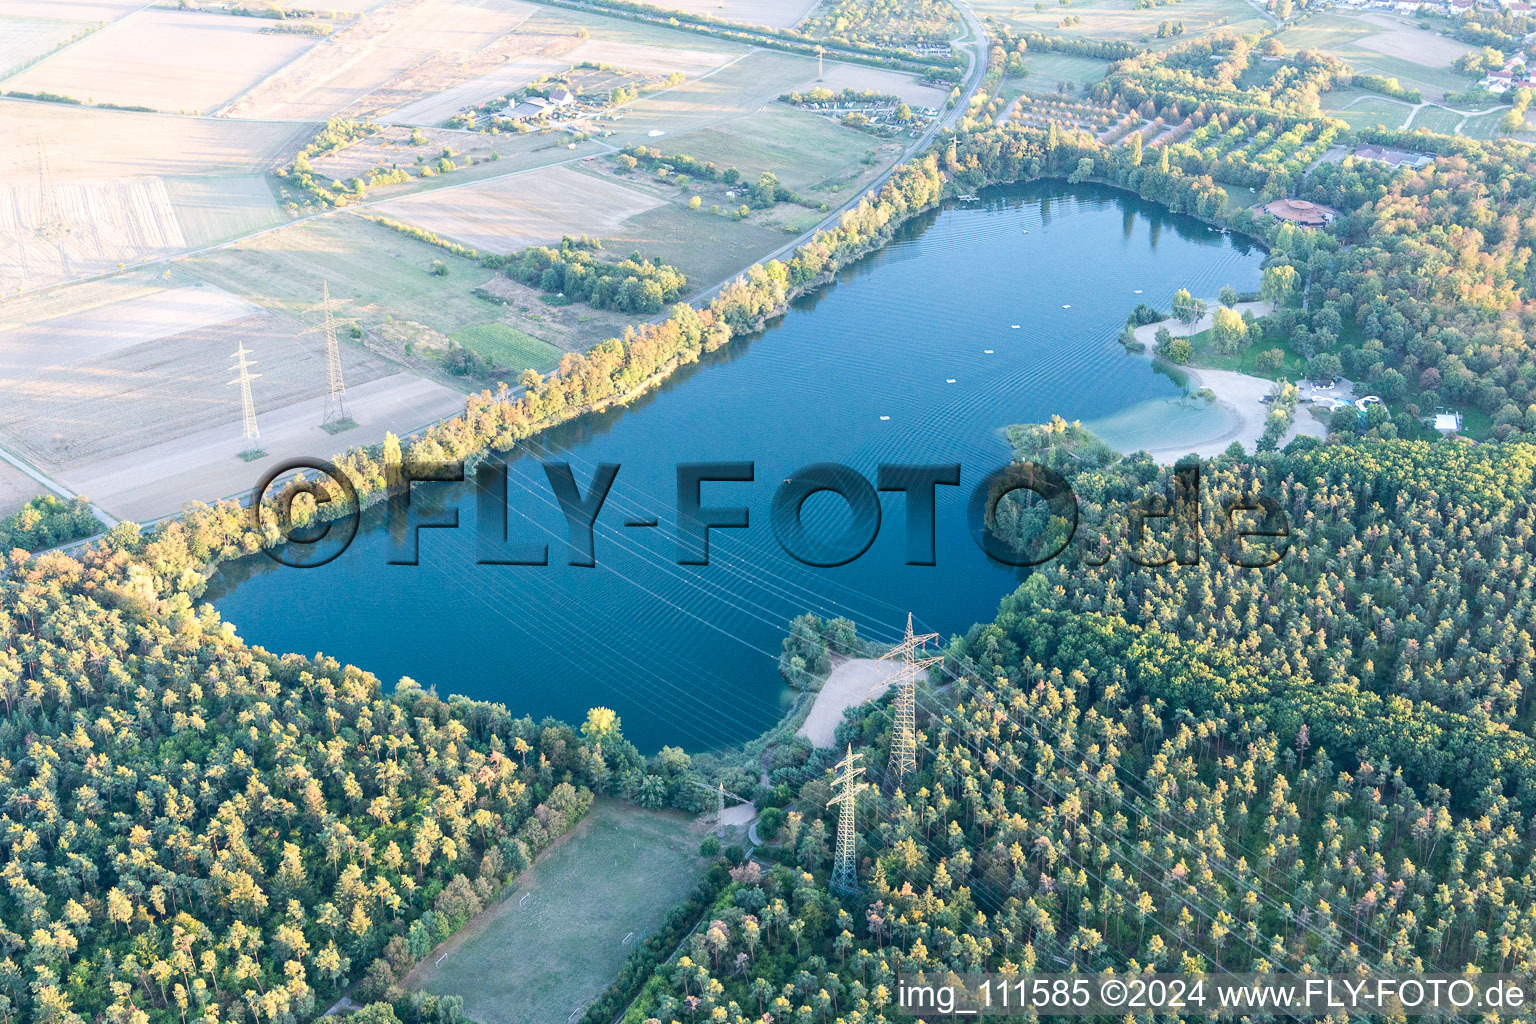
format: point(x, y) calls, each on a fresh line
point(845, 874)
point(904, 724)
point(243, 366)
point(50, 224)
point(336, 408)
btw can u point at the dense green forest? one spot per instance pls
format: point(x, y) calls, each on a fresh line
point(46, 521)
point(1323, 765)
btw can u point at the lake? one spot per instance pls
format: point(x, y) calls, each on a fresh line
point(976, 316)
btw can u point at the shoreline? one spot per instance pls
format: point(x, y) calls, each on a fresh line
point(1239, 395)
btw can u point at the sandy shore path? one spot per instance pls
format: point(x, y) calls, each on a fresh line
point(851, 683)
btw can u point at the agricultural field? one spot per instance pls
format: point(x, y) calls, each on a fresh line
point(1485, 126)
point(1384, 45)
point(708, 248)
point(95, 145)
point(557, 939)
point(1370, 110)
point(162, 475)
point(166, 60)
point(375, 274)
point(858, 77)
point(1048, 71)
point(109, 381)
point(62, 231)
point(514, 212)
point(23, 40)
point(346, 67)
point(736, 90)
point(504, 345)
point(16, 489)
point(211, 210)
point(1122, 20)
point(526, 314)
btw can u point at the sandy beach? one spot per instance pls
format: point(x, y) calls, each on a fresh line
point(851, 682)
point(1240, 395)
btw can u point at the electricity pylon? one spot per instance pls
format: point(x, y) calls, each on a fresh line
point(336, 409)
point(247, 402)
point(845, 874)
point(904, 725)
point(49, 223)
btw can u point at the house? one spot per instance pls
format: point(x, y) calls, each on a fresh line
point(561, 97)
point(1396, 157)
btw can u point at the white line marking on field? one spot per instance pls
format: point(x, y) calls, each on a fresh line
point(524, 899)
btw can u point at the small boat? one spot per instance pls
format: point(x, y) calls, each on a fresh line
point(986, 351)
point(949, 380)
point(1066, 305)
point(884, 418)
point(1014, 326)
point(968, 198)
point(1138, 291)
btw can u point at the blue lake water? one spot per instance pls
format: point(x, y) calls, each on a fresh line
point(858, 373)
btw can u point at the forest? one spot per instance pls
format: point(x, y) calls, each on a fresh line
point(1322, 766)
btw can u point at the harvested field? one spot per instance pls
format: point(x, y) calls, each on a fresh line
point(105, 396)
point(738, 89)
point(167, 60)
point(96, 332)
point(859, 77)
point(212, 210)
point(75, 229)
point(649, 58)
point(1415, 45)
point(161, 477)
point(92, 145)
point(511, 213)
point(394, 39)
point(26, 39)
point(16, 489)
point(81, 11)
